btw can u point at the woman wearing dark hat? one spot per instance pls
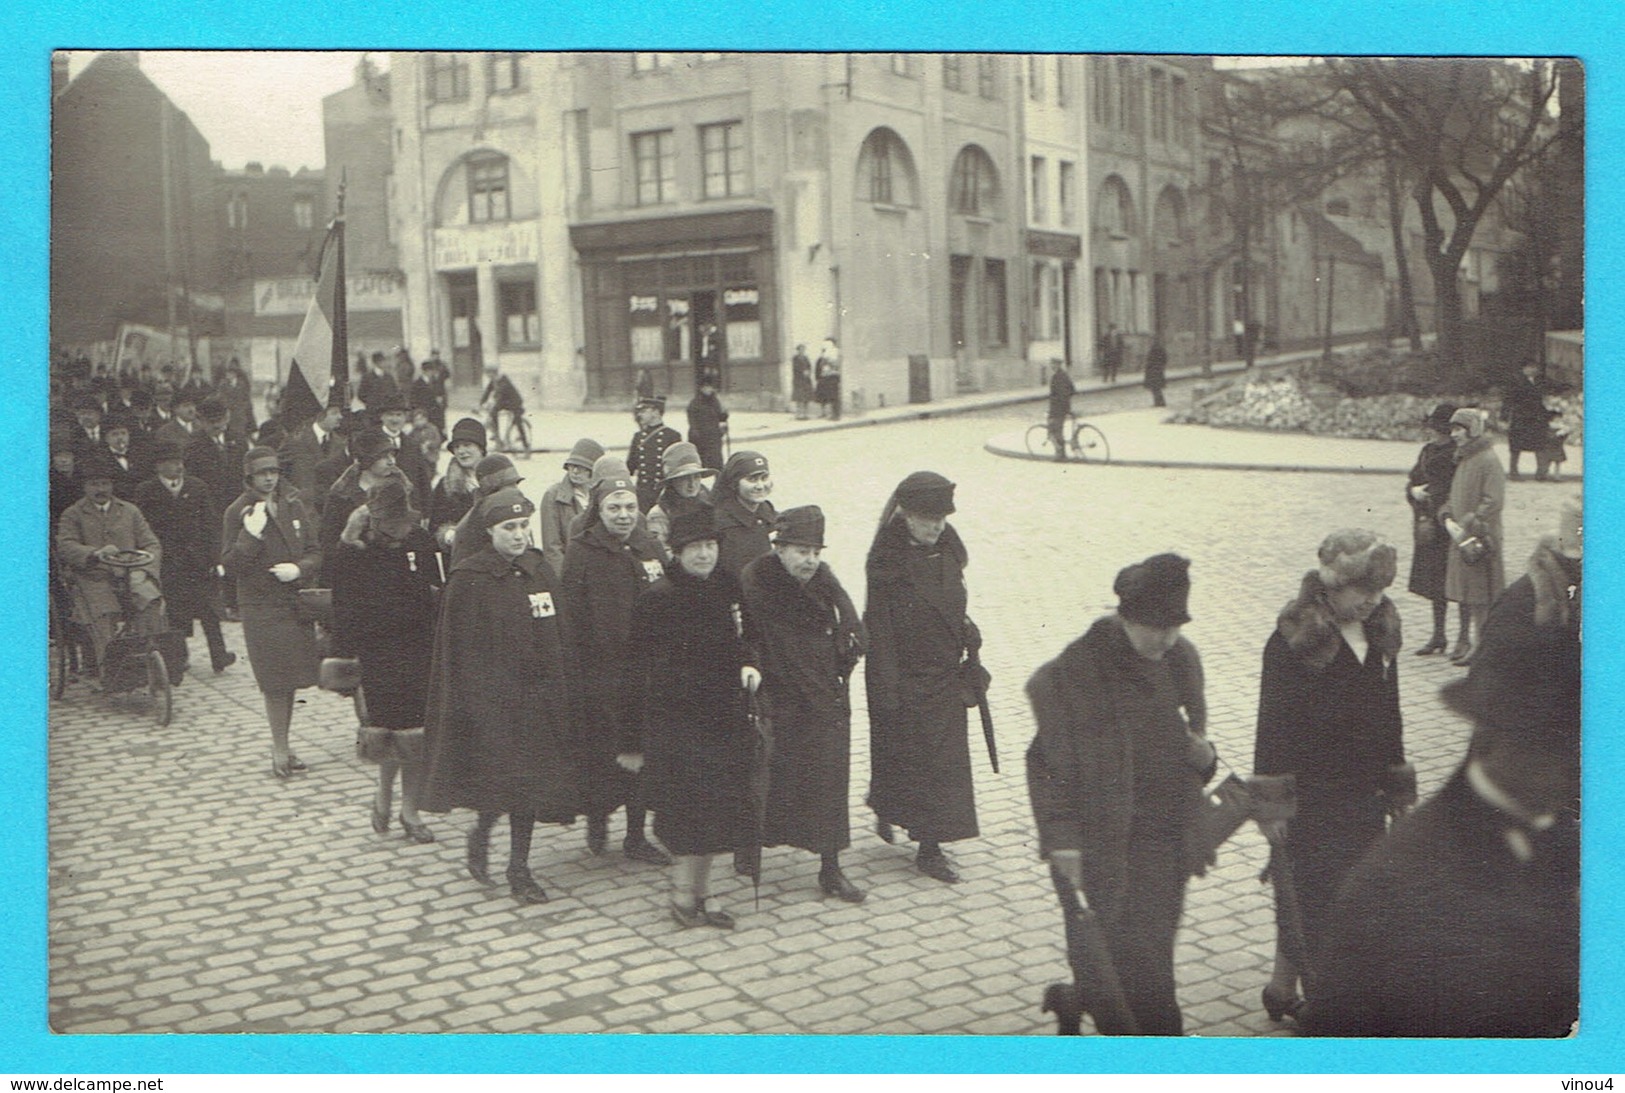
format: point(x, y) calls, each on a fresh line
point(494, 472)
point(272, 548)
point(810, 639)
point(567, 499)
point(1471, 516)
point(1116, 774)
point(707, 421)
point(915, 611)
point(372, 460)
point(689, 735)
point(1426, 491)
point(606, 567)
point(744, 514)
point(683, 491)
point(384, 574)
point(495, 724)
point(1328, 714)
point(458, 488)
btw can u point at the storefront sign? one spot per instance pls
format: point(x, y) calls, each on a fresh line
point(505, 244)
point(379, 291)
point(1054, 244)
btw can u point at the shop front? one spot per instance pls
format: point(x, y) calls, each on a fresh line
point(1052, 295)
point(679, 297)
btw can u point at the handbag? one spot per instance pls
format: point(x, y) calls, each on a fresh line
point(315, 605)
point(1474, 550)
point(342, 675)
point(1426, 530)
point(1234, 801)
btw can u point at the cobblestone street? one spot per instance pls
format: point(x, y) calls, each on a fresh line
point(191, 891)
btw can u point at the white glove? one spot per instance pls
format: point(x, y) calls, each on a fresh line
point(1454, 529)
point(255, 518)
point(750, 678)
point(632, 762)
point(285, 572)
point(1420, 493)
point(1068, 863)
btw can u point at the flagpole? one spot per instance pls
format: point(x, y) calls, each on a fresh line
point(341, 316)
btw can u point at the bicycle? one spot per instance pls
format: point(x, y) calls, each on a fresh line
point(1084, 442)
point(501, 439)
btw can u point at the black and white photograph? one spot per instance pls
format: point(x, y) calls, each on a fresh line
point(872, 543)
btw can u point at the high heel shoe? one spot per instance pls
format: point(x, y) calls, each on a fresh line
point(885, 832)
point(380, 818)
point(479, 856)
point(1280, 1007)
point(415, 832)
point(833, 882)
point(281, 769)
point(1437, 645)
point(1061, 999)
point(296, 764)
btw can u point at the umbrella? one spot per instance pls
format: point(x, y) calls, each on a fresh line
point(1095, 987)
point(1289, 914)
point(748, 858)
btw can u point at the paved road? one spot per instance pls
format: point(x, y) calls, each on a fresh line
point(190, 891)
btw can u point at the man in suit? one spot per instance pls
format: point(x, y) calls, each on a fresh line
point(129, 465)
point(215, 456)
point(1465, 919)
point(182, 425)
point(392, 420)
point(87, 433)
point(376, 385)
point(181, 513)
point(308, 445)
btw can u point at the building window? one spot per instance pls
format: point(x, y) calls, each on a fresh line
point(520, 324)
point(650, 62)
point(304, 212)
point(237, 211)
point(722, 154)
point(655, 161)
point(975, 188)
point(880, 173)
point(1181, 111)
point(448, 77)
point(1040, 190)
point(953, 72)
point(1159, 105)
point(995, 316)
point(1045, 321)
point(1105, 100)
point(707, 58)
point(986, 73)
point(1035, 78)
point(899, 65)
point(885, 170)
point(1069, 193)
point(487, 189)
point(1126, 120)
point(502, 73)
point(1063, 81)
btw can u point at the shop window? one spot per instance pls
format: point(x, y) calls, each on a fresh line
point(487, 189)
point(1069, 193)
point(304, 212)
point(742, 319)
point(975, 187)
point(1056, 300)
point(722, 154)
point(521, 326)
point(987, 76)
point(959, 267)
point(502, 73)
point(448, 77)
point(648, 329)
point(953, 72)
point(655, 161)
point(1040, 190)
point(995, 314)
point(1046, 300)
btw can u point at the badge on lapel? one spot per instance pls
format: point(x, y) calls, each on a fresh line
point(541, 605)
point(653, 570)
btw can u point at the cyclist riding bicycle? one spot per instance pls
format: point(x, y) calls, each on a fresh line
point(502, 397)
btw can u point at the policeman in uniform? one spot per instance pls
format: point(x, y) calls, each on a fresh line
point(649, 444)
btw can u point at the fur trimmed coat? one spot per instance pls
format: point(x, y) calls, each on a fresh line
point(1477, 496)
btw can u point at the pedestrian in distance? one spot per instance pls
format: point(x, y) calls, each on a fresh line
point(707, 421)
point(1111, 354)
point(567, 499)
point(827, 373)
point(272, 549)
point(1156, 370)
point(1523, 408)
point(1115, 774)
point(649, 443)
point(745, 516)
point(690, 739)
point(684, 489)
point(1329, 715)
point(454, 495)
point(1426, 490)
point(1061, 390)
point(1471, 515)
point(384, 581)
point(810, 637)
point(801, 382)
point(497, 718)
point(920, 639)
point(504, 408)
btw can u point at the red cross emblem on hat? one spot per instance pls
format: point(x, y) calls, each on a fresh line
point(517, 507)
point(758, 462)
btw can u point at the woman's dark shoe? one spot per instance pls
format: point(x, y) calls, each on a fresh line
point(1460, 652)
point(884, 830)
point(380, 818)
point(1061, 999)
point(597, 834)
point(479, 856)
point(225, 662)
point(1282, 1006)
point(416, 832)
point(937, 867)
point(833, 882)
point(1437, 645)
point(745, 864)
point(640, 849)
point(690, 917)
point(296, 764)
point(523, 887)
point(280, 768)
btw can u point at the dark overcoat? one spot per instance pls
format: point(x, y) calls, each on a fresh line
point(384, 614)
point(808, 638)
point(919, 751)
point(691, 725)
point(644, 459)
point(1333, 722)
point(602, 579)
point(1435, 467)
point(1442, 931)
point(220, 466)
point(185, 525)
point(496, 721)
point(706, 418)
point(1524, 410)
point(742, 535)
point(281, 649)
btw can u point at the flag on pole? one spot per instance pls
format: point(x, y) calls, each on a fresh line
point(321, 346)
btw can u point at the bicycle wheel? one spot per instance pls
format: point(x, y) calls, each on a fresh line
point(1089, 444)
point(1038, 441)
point(522, 424)
point(158, 688)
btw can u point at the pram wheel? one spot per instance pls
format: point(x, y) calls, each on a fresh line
point(158, 688)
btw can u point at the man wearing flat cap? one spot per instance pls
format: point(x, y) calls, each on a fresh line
point(1465, 920)
point(1115, 790)
point(649, 444)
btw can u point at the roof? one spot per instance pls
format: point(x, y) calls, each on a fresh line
point(1332, 240)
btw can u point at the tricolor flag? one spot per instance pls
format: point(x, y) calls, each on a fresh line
point(322, 340)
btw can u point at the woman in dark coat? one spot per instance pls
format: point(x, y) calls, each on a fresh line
point(1427, 490)
point(1473, 512)
point(681, 492)
point(1328, 714)
point(707, 421)
point(271, 548)
point(691, 740)
point(606, 567)
point(801, 382)
point(919, 751)
point(810, 638)
point(384, 574)
point(744, 515)
point(1116, 774)
point(454, 495)
point(496, 718)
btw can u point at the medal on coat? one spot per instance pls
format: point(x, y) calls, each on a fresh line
point(541, 605)
point(412, 561)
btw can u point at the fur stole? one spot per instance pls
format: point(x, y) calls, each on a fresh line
point(892, 542)
point(1312, 633)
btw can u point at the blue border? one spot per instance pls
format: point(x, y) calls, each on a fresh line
point(1585, 28)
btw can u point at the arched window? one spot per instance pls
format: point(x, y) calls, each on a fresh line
point(886, 170)
point(1169, 219)
point(1114, 208)
point(974, 189)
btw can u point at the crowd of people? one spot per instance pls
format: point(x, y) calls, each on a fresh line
point(665, 647)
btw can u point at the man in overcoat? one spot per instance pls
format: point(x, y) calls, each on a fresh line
point(89, 532)
point(309, 444)
point(181, 513)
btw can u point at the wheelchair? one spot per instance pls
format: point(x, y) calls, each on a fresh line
point(135, 658)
